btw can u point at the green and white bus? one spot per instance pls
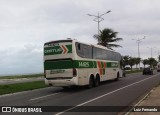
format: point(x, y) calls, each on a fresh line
point(72, 63)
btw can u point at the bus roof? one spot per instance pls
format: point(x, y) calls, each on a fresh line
point(75, 40)
point(56, 41)
point(98, 46)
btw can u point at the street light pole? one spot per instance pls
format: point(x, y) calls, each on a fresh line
point(151, 50)
point(98, 23)
point(98, 18)
point(138, 42)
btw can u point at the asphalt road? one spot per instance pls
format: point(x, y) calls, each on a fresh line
point(125, 92)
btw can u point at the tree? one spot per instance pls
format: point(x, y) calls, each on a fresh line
point(152, 62)
point(159, 58)
point(145, 62)
point(132, 61)
point(137, 61)
point(155, 63)
point(125, 61)
point(107, 37)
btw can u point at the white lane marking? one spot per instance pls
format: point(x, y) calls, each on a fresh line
point(43, 96)
point(137, 104)
point(104, 95)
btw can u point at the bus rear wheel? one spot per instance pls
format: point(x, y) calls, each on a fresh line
point(91, 82)
point(97, 81)
point(65, 87)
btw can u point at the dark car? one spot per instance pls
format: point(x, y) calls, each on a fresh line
point(147, 71)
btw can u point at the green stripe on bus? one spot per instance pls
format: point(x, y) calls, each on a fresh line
point(112, 65)
point(84, 64)
point(58, 65)
point(69, 47)
point(68, 64)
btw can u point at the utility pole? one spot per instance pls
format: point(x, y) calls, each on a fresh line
point(151, 50)
point(98, 18)
point(138, 42)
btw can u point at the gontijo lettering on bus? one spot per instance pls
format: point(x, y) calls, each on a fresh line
point(58, 49)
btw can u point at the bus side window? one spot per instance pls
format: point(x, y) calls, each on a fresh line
point(90, 52)
point(95, 53)
point(87, 51)
point(84, 51)
point(79, 47)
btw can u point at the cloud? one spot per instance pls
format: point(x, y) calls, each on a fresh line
point(27, 59)
point(26, 25)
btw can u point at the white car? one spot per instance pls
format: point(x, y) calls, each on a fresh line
point(158, 67)
point(123, 73)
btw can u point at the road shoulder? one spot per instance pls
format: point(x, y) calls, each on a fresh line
point(152, 99)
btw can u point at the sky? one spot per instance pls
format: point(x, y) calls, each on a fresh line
point(25, 25)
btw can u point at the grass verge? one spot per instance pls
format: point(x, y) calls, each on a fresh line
point(22, 76)
point(13, 88)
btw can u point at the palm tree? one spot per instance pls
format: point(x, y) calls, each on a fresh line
point(152, 62)
point(107, 37)
point(155, 63)
point(137, 61)
point(125, 61)
point(159, 58)
point(132, 61)
point(145, 62)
